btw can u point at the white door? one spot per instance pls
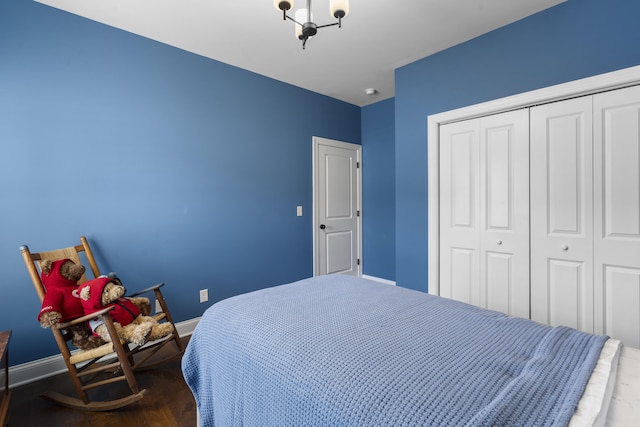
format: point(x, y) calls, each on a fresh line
point(337, 201)
point(460, 212)
point(504, 212)
point(562, 214)
point(484, 212)
point(617, 214)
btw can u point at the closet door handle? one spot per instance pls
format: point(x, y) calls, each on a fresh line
point(564, 247)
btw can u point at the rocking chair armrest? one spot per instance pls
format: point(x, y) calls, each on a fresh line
point(83, 319)
point(149, 289)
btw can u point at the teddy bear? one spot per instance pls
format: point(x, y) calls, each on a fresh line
point(62, 302)
point(132, 324)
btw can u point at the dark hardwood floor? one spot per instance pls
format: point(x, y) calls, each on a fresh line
point(168, 403)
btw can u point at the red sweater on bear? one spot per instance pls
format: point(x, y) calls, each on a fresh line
point(62, 294)
point(124, 312)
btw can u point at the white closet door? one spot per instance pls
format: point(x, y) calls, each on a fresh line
point(484, 245)
point(504, 213)
point(562, 214)
point(617, 214)
point(460, 212)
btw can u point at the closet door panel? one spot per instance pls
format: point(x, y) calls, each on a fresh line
point(617, 214)
point(562, 214)
point(622, 304)
point(459, 212)
point(498, 269)
point(462, 269)
point(504, 212)
point(565, 292)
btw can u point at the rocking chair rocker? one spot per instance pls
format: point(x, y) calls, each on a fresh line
point(112, 362)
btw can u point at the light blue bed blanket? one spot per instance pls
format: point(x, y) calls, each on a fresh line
point(342, 351)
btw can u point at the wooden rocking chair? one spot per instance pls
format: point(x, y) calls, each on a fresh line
point(111, 362)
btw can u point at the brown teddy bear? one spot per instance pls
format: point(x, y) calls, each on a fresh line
point(62, 302)
point(132, 323)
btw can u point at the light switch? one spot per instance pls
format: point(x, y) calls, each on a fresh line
point(299, 211)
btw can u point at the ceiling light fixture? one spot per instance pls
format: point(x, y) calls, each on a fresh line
point(304, 27)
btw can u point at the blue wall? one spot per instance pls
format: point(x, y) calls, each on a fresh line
point(378, 192)
point(573, 40)
point(176, 167)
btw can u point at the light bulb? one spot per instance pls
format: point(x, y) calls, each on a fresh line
point(339, 8)
point(301, 17)
point(283, 4)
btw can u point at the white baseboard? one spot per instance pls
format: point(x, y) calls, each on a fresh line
point(377, 279)
point(28, 372)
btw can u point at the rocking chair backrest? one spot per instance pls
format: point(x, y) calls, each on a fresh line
point(32, 261)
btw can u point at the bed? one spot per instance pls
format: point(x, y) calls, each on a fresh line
point(343, 351)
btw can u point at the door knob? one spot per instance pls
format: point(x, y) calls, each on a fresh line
point(322, 226)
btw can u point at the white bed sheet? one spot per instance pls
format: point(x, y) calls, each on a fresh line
point(594, 404)
point(624, 407)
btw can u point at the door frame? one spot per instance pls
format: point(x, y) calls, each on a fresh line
point(587, 86)
point(316, 142)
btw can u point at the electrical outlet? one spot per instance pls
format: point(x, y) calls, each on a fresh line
point(299, 211)
point(204, 295)
point(158, 307)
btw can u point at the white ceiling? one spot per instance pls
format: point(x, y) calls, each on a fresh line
point(376, 37)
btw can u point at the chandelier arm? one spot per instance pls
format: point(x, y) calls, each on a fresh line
point(291, 19)
point(328, 25)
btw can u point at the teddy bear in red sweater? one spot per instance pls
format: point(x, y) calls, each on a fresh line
point(62, 301)
point(130, 315)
